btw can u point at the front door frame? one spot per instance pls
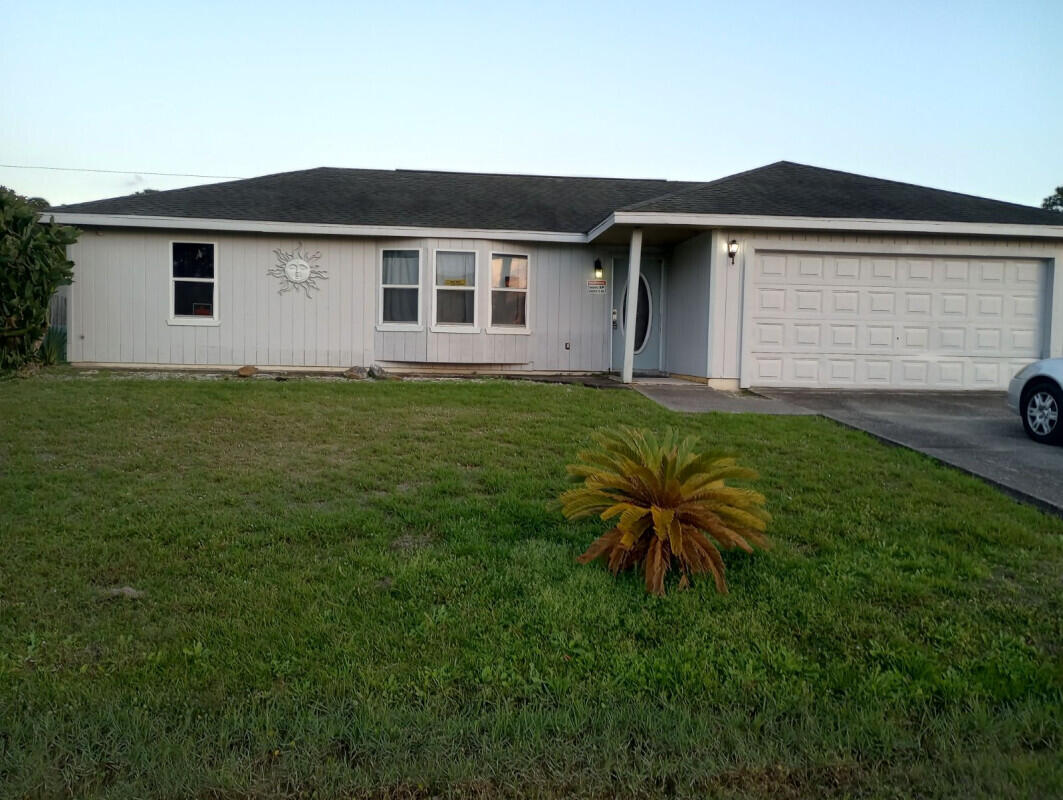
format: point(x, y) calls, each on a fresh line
point(648, 253)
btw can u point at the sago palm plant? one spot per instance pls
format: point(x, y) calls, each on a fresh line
point(672, 502)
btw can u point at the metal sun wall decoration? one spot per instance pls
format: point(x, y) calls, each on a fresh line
point(296, 270)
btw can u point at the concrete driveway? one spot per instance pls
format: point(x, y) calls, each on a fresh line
point(973, 431)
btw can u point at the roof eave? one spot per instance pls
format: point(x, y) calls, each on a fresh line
point(303, 228)
point(627, 218)
point(709, 221)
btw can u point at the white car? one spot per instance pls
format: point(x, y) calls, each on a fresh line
point(1035, 394)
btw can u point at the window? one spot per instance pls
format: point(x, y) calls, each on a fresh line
point(643, 314)
point(400, 299)
point(455, 288)
point(509, 291)
point(193, 289)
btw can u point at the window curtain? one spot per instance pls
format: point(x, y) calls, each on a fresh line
point(400, 305)
point(400, 266)
point(455, 269)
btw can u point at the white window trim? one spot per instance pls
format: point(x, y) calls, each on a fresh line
point(510, 330)
point(212, 321)
point(381, 325)
point(448, 327)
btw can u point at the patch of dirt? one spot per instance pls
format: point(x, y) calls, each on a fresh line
point(780, 781)
point(385, 583)
point(123, 591)
point(482, 790)
point(162, 375)
point(410, 543)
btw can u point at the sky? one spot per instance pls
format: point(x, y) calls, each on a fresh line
point(966, 96)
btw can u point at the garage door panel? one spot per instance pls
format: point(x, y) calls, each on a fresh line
point(951, 304)
point(807, 300)
point(827, 320)
point(844, 303)
point(955, 271)
point(950, 338)
point(810, 267)
point(991, 272)
point(1023, 306)
point(845, 268)
point(918, 270)
point(1026, 272)
point(771, 266)
point(771, 299)
point(806, 337)
point(884, 270)
point(879, 337)
point(1023, 340)
point(831, 270)
point(843, 336)
point(989, 306)
point(915, 338)
point(918, 304)
point(880, 303)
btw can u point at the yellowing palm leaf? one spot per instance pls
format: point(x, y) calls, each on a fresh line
point(673, 503)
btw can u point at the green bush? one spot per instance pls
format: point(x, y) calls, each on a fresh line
point(53, 347)
point(33, 264)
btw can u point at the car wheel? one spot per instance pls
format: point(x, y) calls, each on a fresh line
point(1041, 407)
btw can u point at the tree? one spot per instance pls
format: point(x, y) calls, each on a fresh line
point(38, 203)
point(33, 264)
point(1054, 202)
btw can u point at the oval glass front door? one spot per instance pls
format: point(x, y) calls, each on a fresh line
point(643, 316)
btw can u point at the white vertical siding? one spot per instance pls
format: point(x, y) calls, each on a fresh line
point(1054, 345)
point(725, 308)
point(120, 303)
point(560, 310)
point(121, 295)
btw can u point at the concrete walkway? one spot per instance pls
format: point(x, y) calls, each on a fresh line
point(693, 397)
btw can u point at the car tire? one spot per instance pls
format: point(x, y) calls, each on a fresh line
point(1042, 412)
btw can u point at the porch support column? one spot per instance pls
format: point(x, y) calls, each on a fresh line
point(632, 307)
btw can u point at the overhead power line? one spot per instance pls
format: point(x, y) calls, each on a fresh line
point(121, 171)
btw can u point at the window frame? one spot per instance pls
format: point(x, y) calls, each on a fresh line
point(215, 319)
point(453, 327)
point(381, 324)
point(512, 330)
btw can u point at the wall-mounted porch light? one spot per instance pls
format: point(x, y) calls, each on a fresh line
point(599, 271)
point(732, 249)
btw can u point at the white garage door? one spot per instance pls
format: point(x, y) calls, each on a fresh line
point(864, 321)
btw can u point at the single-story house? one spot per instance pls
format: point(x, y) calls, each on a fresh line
point(786, 275)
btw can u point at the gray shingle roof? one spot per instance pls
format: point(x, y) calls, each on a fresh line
point(398, 197)
point(797, 190)
point(560, 204)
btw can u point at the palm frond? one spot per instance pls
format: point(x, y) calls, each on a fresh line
point(674, 505)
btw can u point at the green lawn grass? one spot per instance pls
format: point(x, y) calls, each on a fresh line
point(358, 589)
